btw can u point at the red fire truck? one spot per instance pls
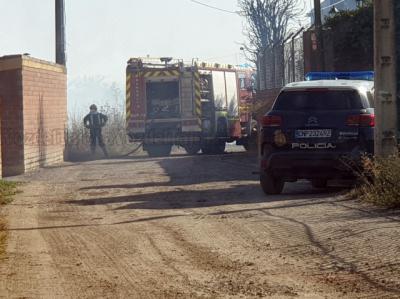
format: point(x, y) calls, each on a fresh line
point(197, 106)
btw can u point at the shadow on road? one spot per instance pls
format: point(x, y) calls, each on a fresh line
point(234, 195)
point(201, 171)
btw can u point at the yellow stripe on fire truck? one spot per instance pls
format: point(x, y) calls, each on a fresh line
point(171, 73)
point(128, 97)
point(197, 93)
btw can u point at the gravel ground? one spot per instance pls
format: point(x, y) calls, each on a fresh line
point(192, 227)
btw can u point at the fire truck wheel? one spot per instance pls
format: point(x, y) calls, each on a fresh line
point(192, 149)
point(214, 148)
point(159, 150)
point(250, 144)
point(219, 147)
point(271, 185)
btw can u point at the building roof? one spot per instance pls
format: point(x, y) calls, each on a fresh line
point(19, 61)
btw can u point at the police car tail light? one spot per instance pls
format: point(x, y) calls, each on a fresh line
point(361, 120)
point(367, 120)
point(271, 121)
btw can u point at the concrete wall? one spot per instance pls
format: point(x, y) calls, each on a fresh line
point(33, 113)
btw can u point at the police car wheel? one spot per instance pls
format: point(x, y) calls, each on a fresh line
point(271, 185)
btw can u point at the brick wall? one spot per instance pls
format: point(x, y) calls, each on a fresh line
point(34, 109)
point(11, 122)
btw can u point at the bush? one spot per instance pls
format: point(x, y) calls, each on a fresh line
point(380, 182)
point(114, 134)
point(3, 236)
point(7, 190)
point(352, 34)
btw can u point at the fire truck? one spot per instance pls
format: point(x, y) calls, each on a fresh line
point(197, 106)
point(248, 121)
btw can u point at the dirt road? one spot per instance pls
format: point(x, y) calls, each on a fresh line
point(192, 227)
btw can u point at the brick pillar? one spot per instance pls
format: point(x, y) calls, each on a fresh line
point(34, 113)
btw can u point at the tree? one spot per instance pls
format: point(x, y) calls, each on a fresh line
point(268, 23)
point(351, 34)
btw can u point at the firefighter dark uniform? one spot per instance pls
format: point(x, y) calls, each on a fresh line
point(95, 121)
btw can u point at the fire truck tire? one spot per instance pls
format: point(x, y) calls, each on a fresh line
point(192, 149)
point(219, 147)
point(159, 150)
point(251, 144)
point(216, 147)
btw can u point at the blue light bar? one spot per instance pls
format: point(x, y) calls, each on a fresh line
point(366, 76)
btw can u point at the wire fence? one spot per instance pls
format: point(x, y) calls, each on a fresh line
point(294, 60)
point(281, 64)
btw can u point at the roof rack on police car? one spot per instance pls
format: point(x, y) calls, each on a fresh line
point(365, 76)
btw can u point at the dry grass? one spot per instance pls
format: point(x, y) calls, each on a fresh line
point(114, 134)
point(380, 182)
point(7, 190)
point(3, 236)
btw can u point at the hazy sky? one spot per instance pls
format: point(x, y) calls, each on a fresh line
point(103, 34)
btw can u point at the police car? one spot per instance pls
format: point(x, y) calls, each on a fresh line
point(317, 130)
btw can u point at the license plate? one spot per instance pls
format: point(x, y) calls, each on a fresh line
point(325, 133)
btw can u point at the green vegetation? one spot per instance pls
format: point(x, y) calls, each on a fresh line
point(7, 190)
point(380, 182)
point(352, 34)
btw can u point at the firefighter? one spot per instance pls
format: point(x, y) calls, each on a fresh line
point(95, 121)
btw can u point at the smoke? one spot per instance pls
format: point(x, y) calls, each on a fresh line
point(84, 91)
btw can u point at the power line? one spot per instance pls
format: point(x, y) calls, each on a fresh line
point(332, 5)
point(213, 7)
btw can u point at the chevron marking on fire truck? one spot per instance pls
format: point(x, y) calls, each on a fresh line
point(128, 97)
point(197, 93)
point(171, 73)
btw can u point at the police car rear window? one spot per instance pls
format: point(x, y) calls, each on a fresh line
point(319, 99)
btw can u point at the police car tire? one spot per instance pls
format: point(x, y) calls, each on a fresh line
point(271, 185)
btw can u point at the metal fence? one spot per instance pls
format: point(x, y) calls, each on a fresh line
point(281, 64)
point(294, 60)
point(271, 68)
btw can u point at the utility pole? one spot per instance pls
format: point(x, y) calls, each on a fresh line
point(319, 34)
point(60, 32)
point(397, 43)
point(386, 128)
